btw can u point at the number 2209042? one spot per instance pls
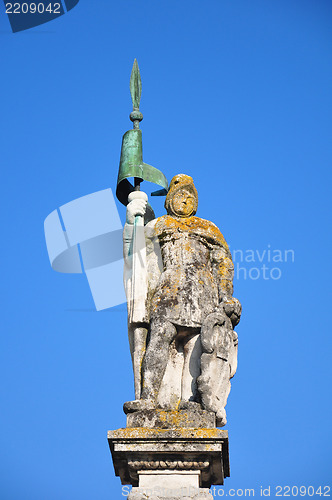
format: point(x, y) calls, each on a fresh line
point(32, 8)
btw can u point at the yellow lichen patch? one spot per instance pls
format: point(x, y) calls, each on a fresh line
point(179, 433)
point(168, 227)
point(192, 225)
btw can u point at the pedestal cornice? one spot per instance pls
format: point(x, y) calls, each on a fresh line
point(138, 449)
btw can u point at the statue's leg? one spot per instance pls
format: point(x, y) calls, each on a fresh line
point(156, 357)
point(140, 345)
point(137, 342)
point(192, 349)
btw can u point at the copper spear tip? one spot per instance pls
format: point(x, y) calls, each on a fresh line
point(135, 86)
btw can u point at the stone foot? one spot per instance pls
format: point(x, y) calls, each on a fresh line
point(190, 405)
point(138, 405)
point(221, 419)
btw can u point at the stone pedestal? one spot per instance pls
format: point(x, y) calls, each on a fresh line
point(169, 484)
point(171, 461)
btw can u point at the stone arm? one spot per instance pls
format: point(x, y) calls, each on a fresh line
point(223, 270)
point(136, 207)
point(149, 250)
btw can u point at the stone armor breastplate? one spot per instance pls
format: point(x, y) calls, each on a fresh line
point(186, 292)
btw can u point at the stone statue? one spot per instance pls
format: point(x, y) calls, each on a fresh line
point(181, 309)
point(178, 275)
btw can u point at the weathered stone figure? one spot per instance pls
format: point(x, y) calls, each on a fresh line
point(184, 348)
point(178, 278)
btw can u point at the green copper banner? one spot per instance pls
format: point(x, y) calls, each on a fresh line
point(132, 166)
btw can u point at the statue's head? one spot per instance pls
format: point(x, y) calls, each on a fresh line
point(182, 198)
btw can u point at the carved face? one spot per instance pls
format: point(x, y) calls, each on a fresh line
point(182, 199)
point(183, 203)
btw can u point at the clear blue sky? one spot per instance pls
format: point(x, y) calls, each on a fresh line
point(238, 95)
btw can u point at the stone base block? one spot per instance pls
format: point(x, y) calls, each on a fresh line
point(169, 419)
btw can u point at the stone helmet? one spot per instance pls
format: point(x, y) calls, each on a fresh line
point(179, 182)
